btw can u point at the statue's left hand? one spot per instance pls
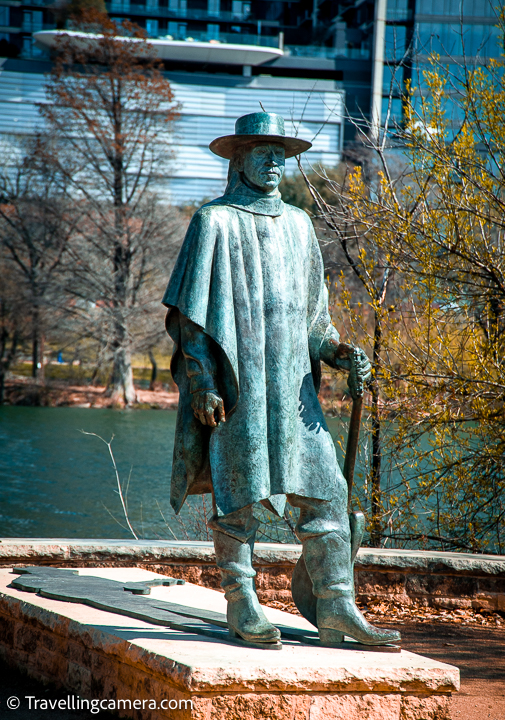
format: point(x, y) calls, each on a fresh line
point(356, 361)
point(205, 404)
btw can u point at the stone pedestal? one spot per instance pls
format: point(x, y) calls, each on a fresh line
point(161, 673)
point(428, 578)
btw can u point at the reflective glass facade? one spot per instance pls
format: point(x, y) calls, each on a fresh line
point(470, 8)
point(458, 31)
point(452, 39)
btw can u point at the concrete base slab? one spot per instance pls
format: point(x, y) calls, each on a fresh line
point(159, 673)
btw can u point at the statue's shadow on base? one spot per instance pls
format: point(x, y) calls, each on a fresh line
point(131, 599)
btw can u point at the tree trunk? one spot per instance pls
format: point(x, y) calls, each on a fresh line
point(6, 358)
point(376, 530)
point(3, 362)
point(37, 350)
point(154, 370)
point(121, 388)
point(95, 377)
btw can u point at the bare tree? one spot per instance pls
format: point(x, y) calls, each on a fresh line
point(14, 317)
point(92, 286)
point(108, 122)
point(36, 227)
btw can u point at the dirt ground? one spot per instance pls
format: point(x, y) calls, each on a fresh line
point(54, 393)
point(472, 641)
point(480, 655)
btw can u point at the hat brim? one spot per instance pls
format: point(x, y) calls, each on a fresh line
point(226, 146)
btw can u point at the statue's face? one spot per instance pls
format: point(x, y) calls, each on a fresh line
point(264, 166)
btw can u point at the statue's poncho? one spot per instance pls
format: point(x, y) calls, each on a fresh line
point(250, 274)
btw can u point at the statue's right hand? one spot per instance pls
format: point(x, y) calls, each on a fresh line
point(205, 404)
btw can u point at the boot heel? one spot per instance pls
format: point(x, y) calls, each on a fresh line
point(233, 633)
point(330, 637)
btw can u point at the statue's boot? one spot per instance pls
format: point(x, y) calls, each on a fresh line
point(245, 616)
point(328, 561)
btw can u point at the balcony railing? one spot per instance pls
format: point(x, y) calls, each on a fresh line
point(225, 38)
point(36, 27)
point(399, 14)
point(30, 26)
point(318, 51)
point(123, 6)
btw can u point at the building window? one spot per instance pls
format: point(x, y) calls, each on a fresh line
point(448, 39)
point(392, 80)
point(395, 45)
point(240, 9)
point(178, 6)
point(399, 10)
point(30, 49)
point(213, 7)
point(4, 16)
point(27, 46)
point(32, 20)
point(177, 30)
point(212, 31)
point(152, 4)
point(470, 8)
point(152, 28)
point(120, 6)
point(394, 108)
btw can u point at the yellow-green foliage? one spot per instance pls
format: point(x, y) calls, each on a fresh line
point(434, 224)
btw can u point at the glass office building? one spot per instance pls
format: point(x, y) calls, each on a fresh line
point(324, 64)
point(460, 32)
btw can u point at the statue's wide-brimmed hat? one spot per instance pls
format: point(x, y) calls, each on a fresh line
point(262, 126)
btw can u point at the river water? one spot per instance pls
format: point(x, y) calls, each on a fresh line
point(57, 482)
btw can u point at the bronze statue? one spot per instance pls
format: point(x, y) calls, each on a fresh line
point(248, 313)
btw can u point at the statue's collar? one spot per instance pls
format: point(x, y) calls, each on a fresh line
point(246, 198)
